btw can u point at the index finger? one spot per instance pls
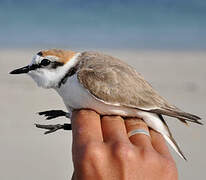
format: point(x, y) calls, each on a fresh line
point(86, 127)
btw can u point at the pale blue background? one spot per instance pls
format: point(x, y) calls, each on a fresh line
point(153, 24)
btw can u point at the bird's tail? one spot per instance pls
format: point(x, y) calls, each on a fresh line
point(181, 115)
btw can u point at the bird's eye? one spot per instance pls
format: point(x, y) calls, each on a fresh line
point(45, 62)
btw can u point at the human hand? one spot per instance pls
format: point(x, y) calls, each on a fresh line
point(102, 150)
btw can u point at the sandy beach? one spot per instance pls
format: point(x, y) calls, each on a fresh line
point(26, 153)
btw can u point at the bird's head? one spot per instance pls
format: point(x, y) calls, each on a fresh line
point(48, 67)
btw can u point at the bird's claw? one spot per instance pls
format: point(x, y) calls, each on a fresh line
point(53, 127)
point(51, 114)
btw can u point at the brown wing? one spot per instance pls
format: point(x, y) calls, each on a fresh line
point(117, 83)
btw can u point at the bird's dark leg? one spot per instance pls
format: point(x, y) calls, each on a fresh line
point(54, 127)
point(51, 114)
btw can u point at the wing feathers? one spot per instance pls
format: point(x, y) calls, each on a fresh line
point(174, 145)
point(171, 140)
point(114, 82)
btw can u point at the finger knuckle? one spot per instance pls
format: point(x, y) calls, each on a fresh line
point(92, 151)
point(86, 112)
point(82, 112)
point(146, 151)
point(148, 155)
point(111, 118)
point(123, 151)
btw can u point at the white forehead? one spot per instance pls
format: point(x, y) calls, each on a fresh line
point(37, 59)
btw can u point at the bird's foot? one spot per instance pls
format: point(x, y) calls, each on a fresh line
point(54, 127)
point(51, 114)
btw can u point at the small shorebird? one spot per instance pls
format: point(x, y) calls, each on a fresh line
point(92, 80)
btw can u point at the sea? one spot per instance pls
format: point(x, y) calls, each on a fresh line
point(117, 24)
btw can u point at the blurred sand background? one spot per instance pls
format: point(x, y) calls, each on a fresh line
point(165, 40)
point(28, 154)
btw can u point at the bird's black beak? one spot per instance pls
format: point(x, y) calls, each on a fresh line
point(22, 70)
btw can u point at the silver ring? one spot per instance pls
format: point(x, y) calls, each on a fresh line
point(138, 131)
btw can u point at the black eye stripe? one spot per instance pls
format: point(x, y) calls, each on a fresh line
point(40, 53)
point(46, 62)
point(56, 64)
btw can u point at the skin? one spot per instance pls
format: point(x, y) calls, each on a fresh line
point(102, 150)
